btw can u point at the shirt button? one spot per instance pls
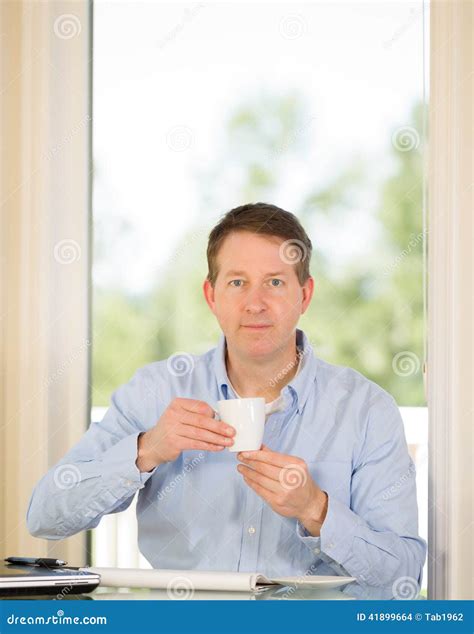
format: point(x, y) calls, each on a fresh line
point(331, 545)
point(317, 551)
point(251, 530)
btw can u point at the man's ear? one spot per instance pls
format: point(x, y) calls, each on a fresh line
point(208, 290)
point(308, 290)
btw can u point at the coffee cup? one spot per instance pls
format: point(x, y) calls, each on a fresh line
point(247, 416)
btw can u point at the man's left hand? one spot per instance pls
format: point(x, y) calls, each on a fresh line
point(284, 482)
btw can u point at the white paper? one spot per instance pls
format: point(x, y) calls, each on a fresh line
point(188, 580)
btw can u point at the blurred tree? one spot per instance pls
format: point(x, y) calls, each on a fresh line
point(371, 317)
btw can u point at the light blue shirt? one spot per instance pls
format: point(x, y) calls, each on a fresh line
point(198, 513)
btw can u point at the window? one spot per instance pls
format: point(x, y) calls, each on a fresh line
point(316, 107)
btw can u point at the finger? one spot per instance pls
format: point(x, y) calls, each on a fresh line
point(204, 422)
point(195, 406)
point(187, 443)
point(197, 433)
point(261, 491)
point(265, 469)
point(270, 457)
point(258, 478)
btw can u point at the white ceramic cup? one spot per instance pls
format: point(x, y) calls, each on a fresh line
point(247, 416)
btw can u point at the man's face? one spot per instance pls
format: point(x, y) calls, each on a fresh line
point(257, 297)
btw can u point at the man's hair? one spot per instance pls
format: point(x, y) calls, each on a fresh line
point(266, 220)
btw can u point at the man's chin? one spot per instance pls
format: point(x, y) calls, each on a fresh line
point(256, 344)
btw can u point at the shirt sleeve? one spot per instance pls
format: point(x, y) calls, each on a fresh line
point(376, 539)
point(99, 474)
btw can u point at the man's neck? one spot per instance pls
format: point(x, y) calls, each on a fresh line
point(262, 379)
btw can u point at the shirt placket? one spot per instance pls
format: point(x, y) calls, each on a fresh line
point(252, 524)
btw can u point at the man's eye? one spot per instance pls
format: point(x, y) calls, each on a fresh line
point(276, 282)
point(236, 283)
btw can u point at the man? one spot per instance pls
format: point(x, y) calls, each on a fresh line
point(332, 489)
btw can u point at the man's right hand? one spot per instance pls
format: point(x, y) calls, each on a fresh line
point(185, 424)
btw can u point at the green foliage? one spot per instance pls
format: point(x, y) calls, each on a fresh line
point(371, 318)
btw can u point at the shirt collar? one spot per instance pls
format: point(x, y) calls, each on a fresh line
point(299, 387)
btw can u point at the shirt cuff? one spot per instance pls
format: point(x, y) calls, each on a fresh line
point(120, 460)
point(338, 531)
point(336, 536)
point(313, 543)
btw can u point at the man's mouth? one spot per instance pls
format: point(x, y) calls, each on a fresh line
point(256, 326)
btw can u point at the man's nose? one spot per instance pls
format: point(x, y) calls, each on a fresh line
point(255, 301)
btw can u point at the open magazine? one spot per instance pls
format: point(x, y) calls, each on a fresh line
point(208, 580)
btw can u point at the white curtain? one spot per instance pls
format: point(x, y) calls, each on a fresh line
point(45, 171)
point(450, 300)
